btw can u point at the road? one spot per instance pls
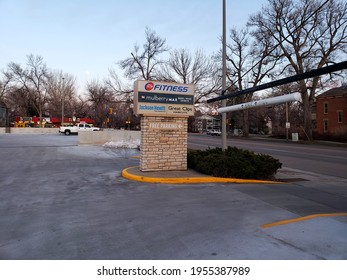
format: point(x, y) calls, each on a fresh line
point(321, 159)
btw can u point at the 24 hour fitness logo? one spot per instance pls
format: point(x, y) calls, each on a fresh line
point(149, 86)
point(162, 87)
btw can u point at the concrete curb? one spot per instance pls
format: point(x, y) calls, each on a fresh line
point(127, 173)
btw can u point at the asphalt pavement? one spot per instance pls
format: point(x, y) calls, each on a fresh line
point(59, 200)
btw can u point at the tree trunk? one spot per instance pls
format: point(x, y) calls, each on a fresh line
point(40, 118)
point(307, 116)
point(245, 123)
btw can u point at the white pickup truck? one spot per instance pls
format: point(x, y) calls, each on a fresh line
point(67, 130)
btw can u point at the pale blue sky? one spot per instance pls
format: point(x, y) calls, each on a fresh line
point(86, 37)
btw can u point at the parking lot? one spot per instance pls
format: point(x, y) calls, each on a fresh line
point(59, 200)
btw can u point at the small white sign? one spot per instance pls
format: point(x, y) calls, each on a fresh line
point(165, 125)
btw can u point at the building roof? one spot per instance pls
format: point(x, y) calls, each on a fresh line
point(334, 92)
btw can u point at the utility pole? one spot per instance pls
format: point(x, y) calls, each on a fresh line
point(287, 122)
point(62, 103)
point(224, 118)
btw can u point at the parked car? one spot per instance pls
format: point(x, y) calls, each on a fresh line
point(215, 132)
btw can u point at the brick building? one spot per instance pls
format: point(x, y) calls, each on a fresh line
point(331, 113)
point(3, 114)
point(205, 123)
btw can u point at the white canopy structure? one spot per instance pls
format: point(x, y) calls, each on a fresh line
point(264, 102)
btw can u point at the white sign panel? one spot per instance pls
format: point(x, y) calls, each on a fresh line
point(155, 98)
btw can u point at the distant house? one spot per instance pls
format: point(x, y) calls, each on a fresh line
point(331, 113)
point(205, 123)
point(2, 114)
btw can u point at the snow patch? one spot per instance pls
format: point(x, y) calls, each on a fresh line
point(130, 144)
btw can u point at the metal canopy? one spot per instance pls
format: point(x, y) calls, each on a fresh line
point(298, 77)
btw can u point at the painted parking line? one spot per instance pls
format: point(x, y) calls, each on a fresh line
point(295, 220)
point(126, 173)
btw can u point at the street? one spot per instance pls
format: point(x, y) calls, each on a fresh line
point(320, 159)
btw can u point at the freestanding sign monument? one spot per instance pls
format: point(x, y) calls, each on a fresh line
point(164, 109)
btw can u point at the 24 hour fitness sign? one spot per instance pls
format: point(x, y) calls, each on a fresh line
point(154, 98)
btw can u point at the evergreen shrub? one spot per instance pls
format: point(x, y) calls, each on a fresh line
point(233, 163)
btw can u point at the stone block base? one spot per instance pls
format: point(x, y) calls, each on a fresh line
point(163, 143)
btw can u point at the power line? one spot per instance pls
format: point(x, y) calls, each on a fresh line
point(275, 47)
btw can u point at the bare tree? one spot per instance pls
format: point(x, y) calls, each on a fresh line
point(121, 102)
point(309, 34)
point(120, 91)
point(198, 69)
point(143, 63)
point(100, 97)
point(18, 100)
point(5, 84)
point(185, 68)
point(33, 79)
point(61, 88)
point(249, 63)
point(81, 107)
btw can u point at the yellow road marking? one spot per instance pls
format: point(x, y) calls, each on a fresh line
point(295, 220)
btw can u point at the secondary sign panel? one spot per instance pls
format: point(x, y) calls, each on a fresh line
point(155, 98)
point(165, 126)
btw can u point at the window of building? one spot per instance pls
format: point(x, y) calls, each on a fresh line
point(325, 108)
point(325, 125)
point(339, 116)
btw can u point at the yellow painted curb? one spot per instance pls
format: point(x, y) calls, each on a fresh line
point(295, 220)
point(191, 180)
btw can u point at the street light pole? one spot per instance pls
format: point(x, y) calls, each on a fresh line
point(62, 103)
point(224, 132)
point(287, 122)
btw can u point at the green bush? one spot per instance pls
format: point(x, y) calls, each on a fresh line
point(233, 163)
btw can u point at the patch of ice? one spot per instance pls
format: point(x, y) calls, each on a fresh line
point(130, 144)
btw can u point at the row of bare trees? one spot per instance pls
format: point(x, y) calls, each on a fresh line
point(35, 90)
point(285, 38)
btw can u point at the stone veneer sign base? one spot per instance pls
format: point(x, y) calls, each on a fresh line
point(163, 143)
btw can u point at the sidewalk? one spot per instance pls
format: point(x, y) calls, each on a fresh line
point(300, 141)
